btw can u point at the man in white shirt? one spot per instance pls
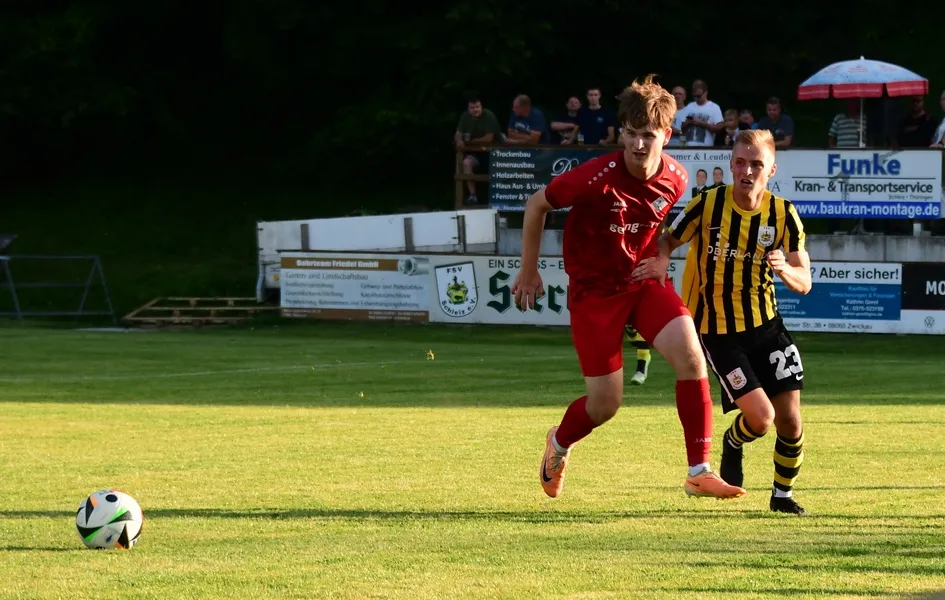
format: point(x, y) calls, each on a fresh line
point(702, 118)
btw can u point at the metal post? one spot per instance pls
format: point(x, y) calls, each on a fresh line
point(498, 232)
point(85, 290)
point(460, 183)
point(108, 298)
point(12, 287)
point(461, 232)
point(305, 243)
point(408, 235)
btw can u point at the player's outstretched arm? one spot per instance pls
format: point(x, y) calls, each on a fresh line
point(793, 269)
point(528, 285)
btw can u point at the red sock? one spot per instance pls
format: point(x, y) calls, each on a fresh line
point(694, 406)
point(575, 425)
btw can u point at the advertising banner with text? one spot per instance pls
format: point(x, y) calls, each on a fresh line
point(494, 303)
point(832, 183)
point(923, 298)
point(374, 287)
point(846, 296)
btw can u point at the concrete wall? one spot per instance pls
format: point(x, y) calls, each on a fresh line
point(870, 248)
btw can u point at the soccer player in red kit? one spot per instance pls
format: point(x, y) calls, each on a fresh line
point(618, 203)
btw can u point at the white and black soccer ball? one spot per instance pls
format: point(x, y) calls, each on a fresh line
point(109, 519)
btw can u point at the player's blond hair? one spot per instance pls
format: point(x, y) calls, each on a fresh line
point(756, 137)
point(646, 104)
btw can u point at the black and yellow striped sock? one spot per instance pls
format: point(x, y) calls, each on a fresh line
point(643, 348)
point(788, 456)
point(739, 433)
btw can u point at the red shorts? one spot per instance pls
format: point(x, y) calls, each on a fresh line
point(598, 321)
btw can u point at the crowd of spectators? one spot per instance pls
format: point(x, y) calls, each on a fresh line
point(700, 122)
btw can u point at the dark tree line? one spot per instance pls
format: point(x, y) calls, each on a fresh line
point(314, 90)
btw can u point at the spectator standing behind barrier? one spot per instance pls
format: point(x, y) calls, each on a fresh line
point(527, 124)
point(703, 118)
point(726, 137)
point(845, 128)
point(678, 139)
point(779, 124)
point(938, 140)
point(564, 128)
point(746, 120)
point(477, 125)
point(596, 124)
point(916, 128)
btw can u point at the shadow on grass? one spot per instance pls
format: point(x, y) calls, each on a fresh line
point(791, 564)
point(527, 516)
point(41, 549)
point(785, 592)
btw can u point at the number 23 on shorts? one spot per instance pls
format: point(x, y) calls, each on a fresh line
point(787, 363)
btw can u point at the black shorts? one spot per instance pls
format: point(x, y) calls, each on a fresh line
point(764, 357)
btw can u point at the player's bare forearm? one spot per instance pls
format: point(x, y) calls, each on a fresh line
point(533, 225)
point(796, 279)
point(794, 270)
point(667, 242)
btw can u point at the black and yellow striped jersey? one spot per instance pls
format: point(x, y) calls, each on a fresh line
point(727, 282)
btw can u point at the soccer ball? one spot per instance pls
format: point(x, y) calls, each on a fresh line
point(109, 519)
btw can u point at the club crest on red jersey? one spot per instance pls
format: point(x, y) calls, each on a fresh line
point(659, 204)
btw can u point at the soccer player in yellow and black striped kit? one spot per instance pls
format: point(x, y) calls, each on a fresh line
point(736, 234)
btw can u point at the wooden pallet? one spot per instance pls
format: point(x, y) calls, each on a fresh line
point(197, 311)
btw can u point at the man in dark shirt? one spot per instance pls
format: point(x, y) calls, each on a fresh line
point(917, 129)
point(779, 124)
point(564, 128)
point(476, 126)
point(596, 123)
point(527, 124)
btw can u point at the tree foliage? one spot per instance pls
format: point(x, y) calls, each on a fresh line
point(298, 88)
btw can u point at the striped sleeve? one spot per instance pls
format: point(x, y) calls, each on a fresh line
point(686, 224)
point(794, 238)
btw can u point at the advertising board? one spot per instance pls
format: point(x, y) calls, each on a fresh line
point(377, 287)
point(865, 297)
point(834, 183)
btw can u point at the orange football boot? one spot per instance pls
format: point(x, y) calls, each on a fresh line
point(708, 484)
point(553, 465)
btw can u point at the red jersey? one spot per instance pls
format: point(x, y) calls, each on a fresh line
point(615, 218)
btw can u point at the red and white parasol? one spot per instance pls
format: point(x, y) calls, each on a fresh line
point(862, 79)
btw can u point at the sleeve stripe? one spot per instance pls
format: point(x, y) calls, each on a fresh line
point(681, 223)
point(685, 225)
point(794, 235)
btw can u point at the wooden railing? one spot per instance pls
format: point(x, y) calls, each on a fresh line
point(462, 178)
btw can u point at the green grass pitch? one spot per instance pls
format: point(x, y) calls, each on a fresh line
point(337, 460)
